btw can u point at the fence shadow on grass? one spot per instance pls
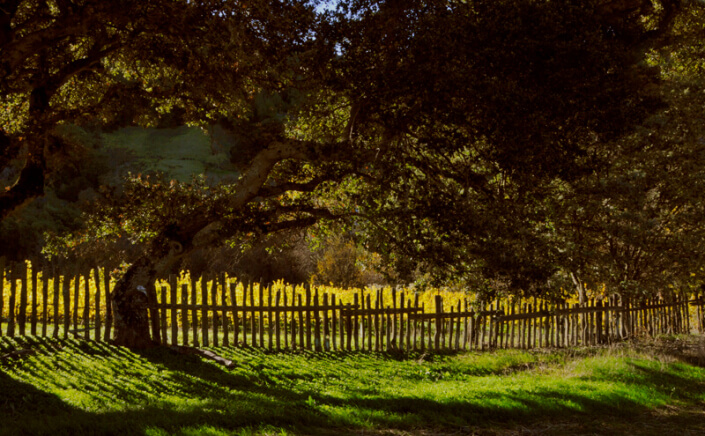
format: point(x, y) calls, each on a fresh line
point(258, 392)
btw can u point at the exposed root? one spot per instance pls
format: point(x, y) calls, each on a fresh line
point(203, 353)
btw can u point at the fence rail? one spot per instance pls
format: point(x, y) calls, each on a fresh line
point(218, 311)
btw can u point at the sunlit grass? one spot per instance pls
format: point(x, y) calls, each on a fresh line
point(80, 387)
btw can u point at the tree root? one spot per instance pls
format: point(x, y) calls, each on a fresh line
point(203, 353)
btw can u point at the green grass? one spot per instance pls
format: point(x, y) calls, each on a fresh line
point(83, 387)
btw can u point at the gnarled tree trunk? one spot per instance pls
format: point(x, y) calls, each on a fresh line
point(134, 293)
point(130, 302)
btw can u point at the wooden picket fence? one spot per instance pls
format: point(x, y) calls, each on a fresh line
point(221, 312)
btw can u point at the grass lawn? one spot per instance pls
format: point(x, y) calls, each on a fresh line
point(77, 387)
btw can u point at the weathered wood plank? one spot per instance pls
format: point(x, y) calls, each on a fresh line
point(173, 319)
point(22, 312)
point(86, 305)
point(183, 299)
point(235, 315)
point(12, 302)
point(214, 302)
point(224, 315)
point(261, 316)
point(309, 327)
point(205, 322)
point(194, 311)
point(108, 306)
point(35, 300)
point(98, 297)
point(326, 329)
point(45, 302)
point(161, 292)
point(67, 300)
point(318, 345)
point(277, 320)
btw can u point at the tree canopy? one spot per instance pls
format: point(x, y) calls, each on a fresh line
point(520, 145)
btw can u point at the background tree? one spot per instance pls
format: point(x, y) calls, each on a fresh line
point(522, 98)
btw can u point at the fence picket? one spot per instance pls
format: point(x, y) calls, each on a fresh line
point(224, 313)
point(370, 325)
point(65, 284)
point(215, 315)
point(236, 321)
point(108, 305)
point(253, 317)
point(173, 316)
point(355, 329)
point(204, 311)
point(22, 312)
point(308, 317)
point(334, 323)
point(76, 294)
point(161, 292)
point(86, 307)
point(11, 303)
point(270, 324)
point(260, 319)
point(98, 296)
point(326, 330)
point(45, 302)
point(183, 301)
point(33, 308)
point(318, 346)
point(55, 312)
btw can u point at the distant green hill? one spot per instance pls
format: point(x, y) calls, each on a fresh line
point(179, 153)
point(106, 158)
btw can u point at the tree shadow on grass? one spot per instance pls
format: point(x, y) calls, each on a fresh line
point(186, 393)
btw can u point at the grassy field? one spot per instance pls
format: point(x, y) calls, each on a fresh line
point(80, 387)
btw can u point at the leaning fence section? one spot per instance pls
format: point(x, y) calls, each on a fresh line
point(218, 311)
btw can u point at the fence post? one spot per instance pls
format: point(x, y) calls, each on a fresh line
point(326, 328)
point(277, 318)
point(439, 321)
point(173, 318)
point(45, 302)
point(355, 322)
point(108, 305)
point(162, 312)
point(214, 309)
point(236, 316)
point(86, 305)
point(370, 324)
point(11, 303)
point(292, 323)
point(308, 316)
point(22, 312)
point(183, 300)
point(261, 314)
point(270, 324)
point(286, 319)
point(698, 311)
point(334, 322)
point(55, 301)
point(98, 296)
point(317, 319)
point(35, 296)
